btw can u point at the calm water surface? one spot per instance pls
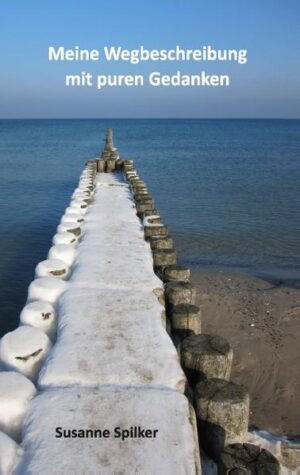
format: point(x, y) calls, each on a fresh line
point(228, 189)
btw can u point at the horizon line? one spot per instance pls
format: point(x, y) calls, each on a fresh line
point(149, 118)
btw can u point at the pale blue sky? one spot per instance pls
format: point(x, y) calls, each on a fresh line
point(267, 86)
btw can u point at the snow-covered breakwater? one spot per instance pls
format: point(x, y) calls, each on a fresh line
point(93, 357)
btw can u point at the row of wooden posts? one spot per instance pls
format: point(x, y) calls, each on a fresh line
point(221, 406)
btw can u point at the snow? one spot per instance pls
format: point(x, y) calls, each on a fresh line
point(274, 444)
point(65, 238)
point(70, 210)
point(47, 289)
point(16, 392)
point(52, 267)
point(147, 220)
point(78, 203)
point(68, 227)
point(24, 350)
point(10, 454)
point(112, 338)
point(81, 191)
point(64, 252)
point(115, 267)
point(72, 218)
point(112, 252)
point(174, 450)
point(41, 315)
point(113, 364)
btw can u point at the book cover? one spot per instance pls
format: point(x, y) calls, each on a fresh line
point(149, 297)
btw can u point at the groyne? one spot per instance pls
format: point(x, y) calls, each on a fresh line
point(110, 347)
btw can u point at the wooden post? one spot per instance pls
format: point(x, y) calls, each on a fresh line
point(186, 320)
point(222, 410)
point(175, 273)
point(178, 293)
point(206, 356)
point(248, 459)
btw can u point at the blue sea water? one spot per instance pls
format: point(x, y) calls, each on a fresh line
point(228, 190)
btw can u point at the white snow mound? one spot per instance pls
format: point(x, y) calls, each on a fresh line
point(10, 454)
point(63, 252)
point(16, 392)
point(70, 228)
point(46, 288)
point(24, 350)
point(41, 315)
point(52, 267)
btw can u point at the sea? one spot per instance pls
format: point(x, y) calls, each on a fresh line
point(229, 191)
